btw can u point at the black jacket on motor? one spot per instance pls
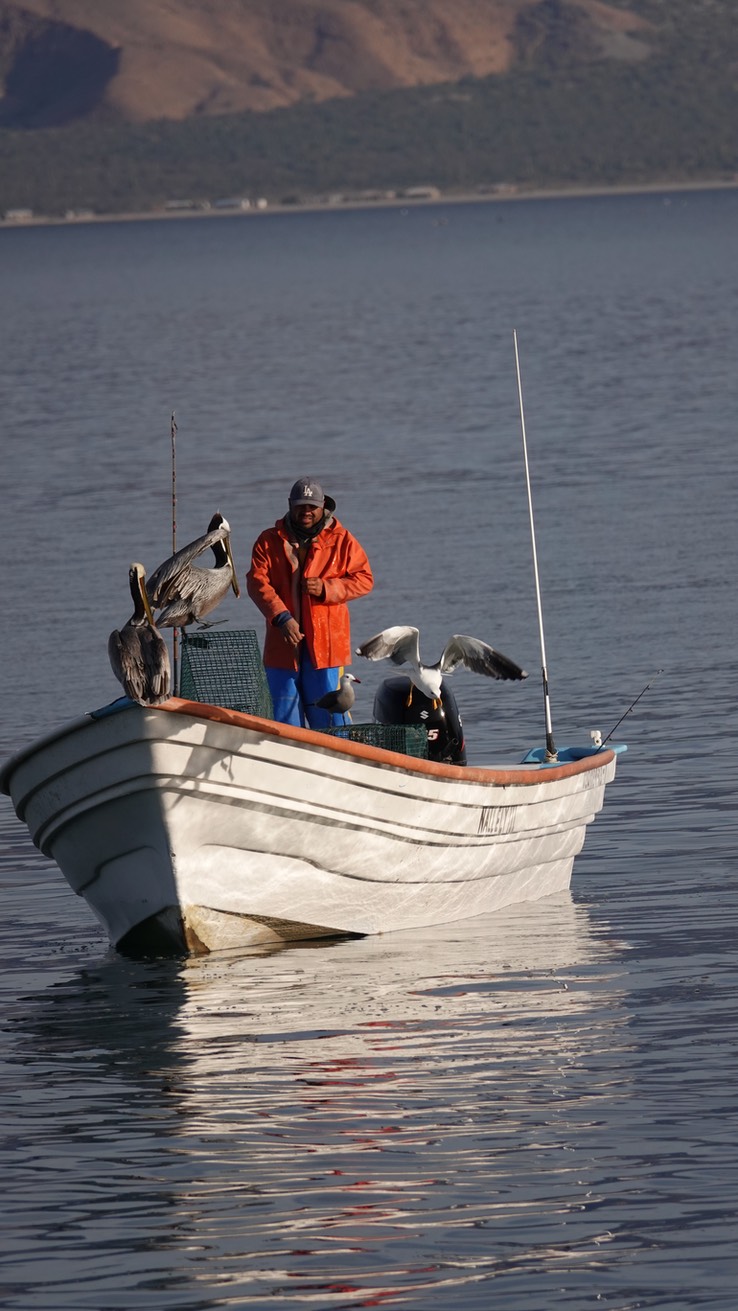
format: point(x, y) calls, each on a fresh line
point(445, 733)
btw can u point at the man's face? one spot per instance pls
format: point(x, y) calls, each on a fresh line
point(306, 515)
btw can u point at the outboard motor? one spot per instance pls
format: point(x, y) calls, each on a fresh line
point(445, 734)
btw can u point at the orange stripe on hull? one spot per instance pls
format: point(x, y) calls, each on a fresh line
point(377, 756)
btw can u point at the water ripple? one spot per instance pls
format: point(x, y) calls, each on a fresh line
point(531, 1111)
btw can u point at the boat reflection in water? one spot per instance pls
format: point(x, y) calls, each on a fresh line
point(399, 1115)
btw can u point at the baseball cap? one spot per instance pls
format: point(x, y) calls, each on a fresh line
point(308, 491)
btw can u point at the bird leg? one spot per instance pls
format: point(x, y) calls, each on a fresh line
point(409, 701)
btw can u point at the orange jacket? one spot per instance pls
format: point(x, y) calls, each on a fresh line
point(274, 585)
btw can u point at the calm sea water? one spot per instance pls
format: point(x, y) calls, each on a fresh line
point(536, 1111)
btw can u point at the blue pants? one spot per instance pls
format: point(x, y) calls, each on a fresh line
point(294, 693)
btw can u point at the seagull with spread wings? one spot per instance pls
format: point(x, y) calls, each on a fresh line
point(401, 645)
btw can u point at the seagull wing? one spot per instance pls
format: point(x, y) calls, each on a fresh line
point(478, 657)
point(160, 586)
point(399, 644)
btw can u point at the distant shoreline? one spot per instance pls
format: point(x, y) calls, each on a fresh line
point(505, 195)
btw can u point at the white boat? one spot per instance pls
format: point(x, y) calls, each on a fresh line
point(190, 827)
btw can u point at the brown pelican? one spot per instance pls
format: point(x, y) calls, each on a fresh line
point(138, 653)
point(182, 592)
point(401, 645)
point(340, 701)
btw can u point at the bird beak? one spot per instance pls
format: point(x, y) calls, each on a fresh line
point(234, 580)
point(147, 603)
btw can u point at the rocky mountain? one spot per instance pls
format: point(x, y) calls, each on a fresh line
point(135, 61)
point(132, 106)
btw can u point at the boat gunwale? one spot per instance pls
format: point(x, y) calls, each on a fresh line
point(502, 776)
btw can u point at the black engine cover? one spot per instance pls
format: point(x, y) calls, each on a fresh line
point(445, 733)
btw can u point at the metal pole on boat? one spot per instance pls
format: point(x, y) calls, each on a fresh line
point(175, 631)
point(551, 753)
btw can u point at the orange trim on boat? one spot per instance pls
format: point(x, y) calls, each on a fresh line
point(378, 756)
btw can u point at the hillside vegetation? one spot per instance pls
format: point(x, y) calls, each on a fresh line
point(586, 94)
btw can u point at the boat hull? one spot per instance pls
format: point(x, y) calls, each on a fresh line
point(188, 827)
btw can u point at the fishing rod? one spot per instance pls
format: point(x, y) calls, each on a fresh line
point(175, 631)
point(551, 753)
point(632, 706)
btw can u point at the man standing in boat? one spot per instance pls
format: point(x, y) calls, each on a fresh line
point(303, 572)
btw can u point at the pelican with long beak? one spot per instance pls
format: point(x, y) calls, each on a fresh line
point(401, 645)
point(138, 653)
point(184, 593)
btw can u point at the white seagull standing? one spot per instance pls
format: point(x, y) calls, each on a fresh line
point(401, 645)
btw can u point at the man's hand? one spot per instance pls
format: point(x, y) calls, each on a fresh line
point(314, 587)
point(291, 632)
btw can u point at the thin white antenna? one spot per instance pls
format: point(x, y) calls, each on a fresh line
point(175, 631)
point(551, 753)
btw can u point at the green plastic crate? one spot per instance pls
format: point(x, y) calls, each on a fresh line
point(225, 669)
point(410, 739)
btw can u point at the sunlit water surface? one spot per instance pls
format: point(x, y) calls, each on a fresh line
point(531, 1111)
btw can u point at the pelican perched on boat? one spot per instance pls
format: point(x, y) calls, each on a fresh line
point(402, 645)
point(183, 592)
point(138, 653)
